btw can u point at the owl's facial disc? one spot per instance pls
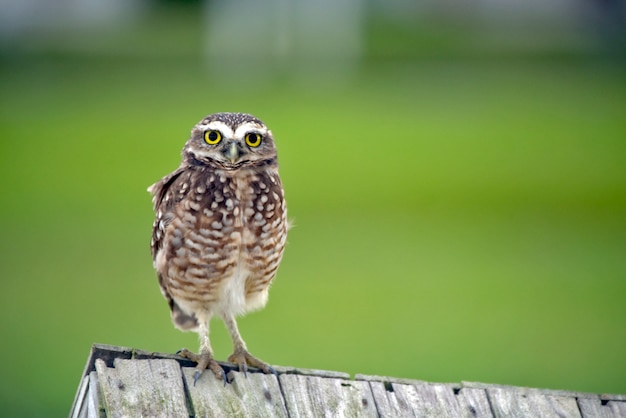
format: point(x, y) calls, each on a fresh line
point(230, 147)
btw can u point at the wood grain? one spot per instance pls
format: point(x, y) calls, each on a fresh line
point(123, 382)
point(148, 388)
point(254, 395)
point(310, 396)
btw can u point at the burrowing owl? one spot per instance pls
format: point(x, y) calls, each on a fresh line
point(220, 231)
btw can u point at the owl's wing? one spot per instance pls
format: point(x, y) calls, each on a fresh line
point(163, 202)
point(160, 188)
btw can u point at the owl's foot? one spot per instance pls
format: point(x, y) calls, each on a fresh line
point(204, 360)
point(243, 359)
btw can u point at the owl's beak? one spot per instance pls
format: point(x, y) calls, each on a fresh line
point(232, 153)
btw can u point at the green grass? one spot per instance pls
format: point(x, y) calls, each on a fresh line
point(454, 220)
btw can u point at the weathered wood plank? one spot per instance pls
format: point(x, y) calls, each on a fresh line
point(142, 388)
point(311, 372)
point(79, 410)
point(593, 408)
point(89, 399)
point(308, 396)
point(127, 382)
point(389, 379)
point(389, 402)
point(613, 397)
point(474, 402)
point(95, 404)
point(429, 400)
point(522, 402)
point(547, 392)
point(257, 395)
point(619, 407)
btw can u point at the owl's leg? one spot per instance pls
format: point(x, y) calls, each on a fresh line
point(241, 357)
point(205, 357)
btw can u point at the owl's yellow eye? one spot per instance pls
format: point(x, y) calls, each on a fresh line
point(212, 137)
point(253, 139)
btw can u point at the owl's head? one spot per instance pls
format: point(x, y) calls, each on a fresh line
point(230, 141)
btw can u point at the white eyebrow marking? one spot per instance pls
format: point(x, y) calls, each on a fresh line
point(227, 131)
point(243, 129)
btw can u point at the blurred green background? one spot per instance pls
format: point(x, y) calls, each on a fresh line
point(457, 179)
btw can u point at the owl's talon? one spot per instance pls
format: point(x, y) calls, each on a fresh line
point(243, 359)
point(219, 374)
point(205, 361)
point(183, 352)
point(217, 370)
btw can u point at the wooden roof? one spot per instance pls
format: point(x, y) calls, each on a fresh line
point(123, 382)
